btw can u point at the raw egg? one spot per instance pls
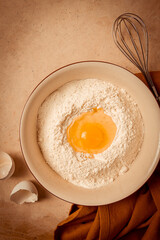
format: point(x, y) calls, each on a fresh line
point(91, 132)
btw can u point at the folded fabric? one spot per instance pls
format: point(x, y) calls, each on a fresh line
point(133, 218)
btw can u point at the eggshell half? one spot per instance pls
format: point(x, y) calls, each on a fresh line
point(7, 166)
point(24, 192)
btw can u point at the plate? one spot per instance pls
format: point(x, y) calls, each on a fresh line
point(142, 167)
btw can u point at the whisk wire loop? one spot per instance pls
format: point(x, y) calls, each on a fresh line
point(134, 44)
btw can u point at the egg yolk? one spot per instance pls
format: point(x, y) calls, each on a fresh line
point(91, 132)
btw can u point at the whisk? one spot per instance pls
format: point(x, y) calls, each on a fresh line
point(131, 37)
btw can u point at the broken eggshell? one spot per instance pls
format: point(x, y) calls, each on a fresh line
point(7, 166)
point(24, 192)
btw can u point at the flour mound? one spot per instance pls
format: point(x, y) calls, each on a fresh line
point(62, 106)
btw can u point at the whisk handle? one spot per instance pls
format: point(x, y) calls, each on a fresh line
point(152, 86)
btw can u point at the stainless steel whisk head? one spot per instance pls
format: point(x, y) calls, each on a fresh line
point(131, 37)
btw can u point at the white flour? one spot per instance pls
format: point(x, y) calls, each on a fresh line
point(62, 106)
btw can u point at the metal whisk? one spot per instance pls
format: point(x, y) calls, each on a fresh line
point(131, 37)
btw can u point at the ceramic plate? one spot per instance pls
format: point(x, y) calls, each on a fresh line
point(143, 166)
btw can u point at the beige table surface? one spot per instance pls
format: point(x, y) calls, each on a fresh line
point(37, 37)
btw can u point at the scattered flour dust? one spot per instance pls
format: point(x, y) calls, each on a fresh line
point(69, 101)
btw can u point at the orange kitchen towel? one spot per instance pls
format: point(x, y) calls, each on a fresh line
point(133, 218)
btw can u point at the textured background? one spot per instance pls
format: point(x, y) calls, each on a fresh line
point(37, 37)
